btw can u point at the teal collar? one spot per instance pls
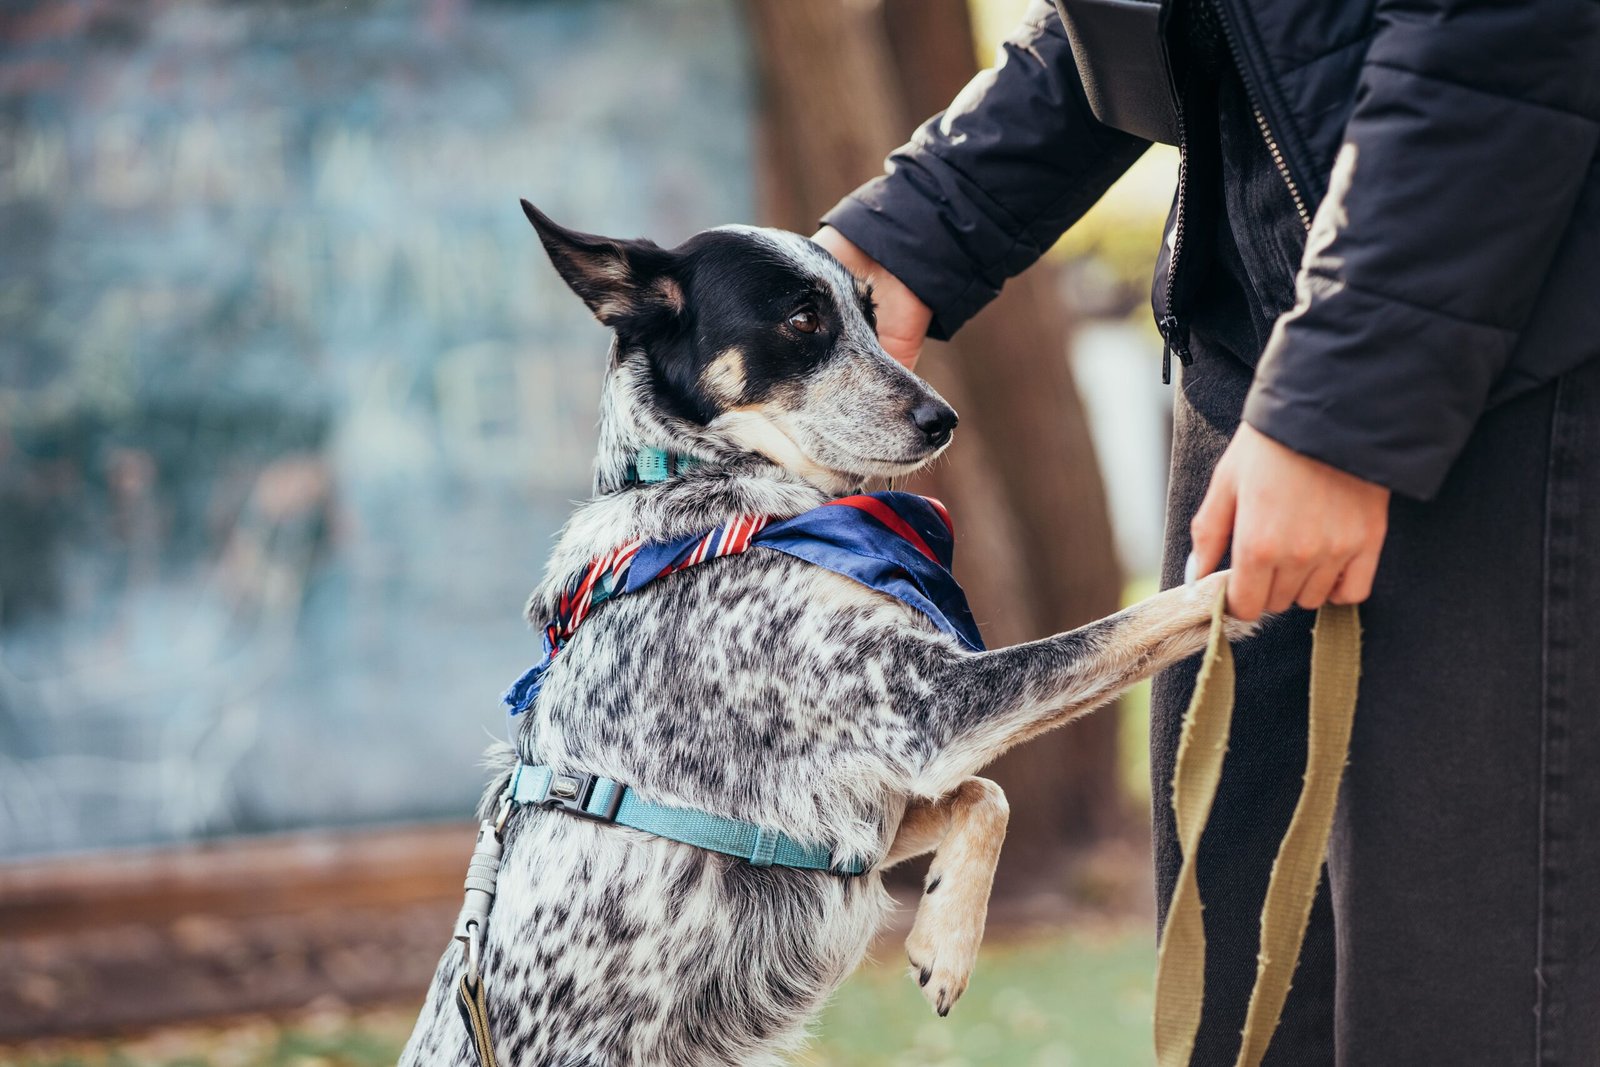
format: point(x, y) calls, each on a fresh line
point(651, 465)
point(607, 801)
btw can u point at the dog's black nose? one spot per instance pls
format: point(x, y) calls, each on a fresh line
point(935, 419)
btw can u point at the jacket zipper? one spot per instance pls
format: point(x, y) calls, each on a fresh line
point(1172, 331)
point(1273, 148)
point(1278, 161)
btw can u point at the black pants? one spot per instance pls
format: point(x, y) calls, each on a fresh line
point(1459, 918)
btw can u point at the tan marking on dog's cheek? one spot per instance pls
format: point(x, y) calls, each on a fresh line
point(724, 378)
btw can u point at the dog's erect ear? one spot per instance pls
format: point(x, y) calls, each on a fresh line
point(621, 281)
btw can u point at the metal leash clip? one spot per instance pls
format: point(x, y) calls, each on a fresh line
point(483, 871)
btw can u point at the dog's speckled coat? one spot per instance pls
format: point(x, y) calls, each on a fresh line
point(756, 687)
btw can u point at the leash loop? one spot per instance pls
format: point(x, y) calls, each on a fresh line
point(472, 1002)
point(1292, 888)
point(474, 952)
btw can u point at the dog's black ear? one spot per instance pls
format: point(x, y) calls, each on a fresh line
point(623, 282)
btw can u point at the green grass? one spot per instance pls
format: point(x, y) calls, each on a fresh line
point(1074, 999)
point(1064, 1000)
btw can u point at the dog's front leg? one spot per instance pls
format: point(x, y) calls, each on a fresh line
point(966, 827)
point(987, 702)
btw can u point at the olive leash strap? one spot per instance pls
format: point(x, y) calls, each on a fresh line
point(1181, 961)
point(1202, 745)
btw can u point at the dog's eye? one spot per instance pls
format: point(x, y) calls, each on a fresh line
point(805, 320)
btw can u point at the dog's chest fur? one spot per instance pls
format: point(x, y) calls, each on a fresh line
point(757, 687)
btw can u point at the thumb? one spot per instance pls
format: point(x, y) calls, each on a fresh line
point(1212, 526)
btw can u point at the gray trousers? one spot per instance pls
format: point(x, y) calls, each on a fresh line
point(1459, 917)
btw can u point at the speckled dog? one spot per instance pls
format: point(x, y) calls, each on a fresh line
point(756, 687)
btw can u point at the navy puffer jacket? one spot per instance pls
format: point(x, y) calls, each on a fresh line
point(1444, 150)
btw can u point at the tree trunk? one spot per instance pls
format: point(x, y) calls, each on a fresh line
point(844, 82)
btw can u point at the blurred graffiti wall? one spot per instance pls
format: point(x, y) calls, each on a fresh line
point(290, 404)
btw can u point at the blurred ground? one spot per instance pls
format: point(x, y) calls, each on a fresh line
point(1046, 998)
point(1064, 981)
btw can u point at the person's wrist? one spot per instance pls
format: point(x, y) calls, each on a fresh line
point(846, 251)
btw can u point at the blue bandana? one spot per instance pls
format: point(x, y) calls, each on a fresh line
point(899, 544)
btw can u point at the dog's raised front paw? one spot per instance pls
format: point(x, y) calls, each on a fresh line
point(1203, 595)
point(944, 940)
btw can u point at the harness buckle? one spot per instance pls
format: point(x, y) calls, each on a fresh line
point(573, 792)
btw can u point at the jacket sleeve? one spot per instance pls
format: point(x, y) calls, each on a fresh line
point(1473, 131)
point(985, 188)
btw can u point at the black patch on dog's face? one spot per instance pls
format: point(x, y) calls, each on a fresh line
point(767, 319)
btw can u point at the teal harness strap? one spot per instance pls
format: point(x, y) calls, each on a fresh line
point(651, 465)
point(610, 801)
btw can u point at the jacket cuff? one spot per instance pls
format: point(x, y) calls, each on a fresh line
point(907, 232)
point(1386, 391)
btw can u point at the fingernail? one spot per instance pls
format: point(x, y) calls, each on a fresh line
point(1191, 569)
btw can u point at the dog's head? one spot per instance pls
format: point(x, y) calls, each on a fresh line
point(747, 340)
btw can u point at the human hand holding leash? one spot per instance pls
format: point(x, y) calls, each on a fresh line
point(1303, 532)
point(902, 318)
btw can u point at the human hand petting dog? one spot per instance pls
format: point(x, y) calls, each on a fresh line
point(1302, 532)
point(902, 318)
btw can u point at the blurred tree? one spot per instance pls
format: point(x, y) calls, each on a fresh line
point(844, 81)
